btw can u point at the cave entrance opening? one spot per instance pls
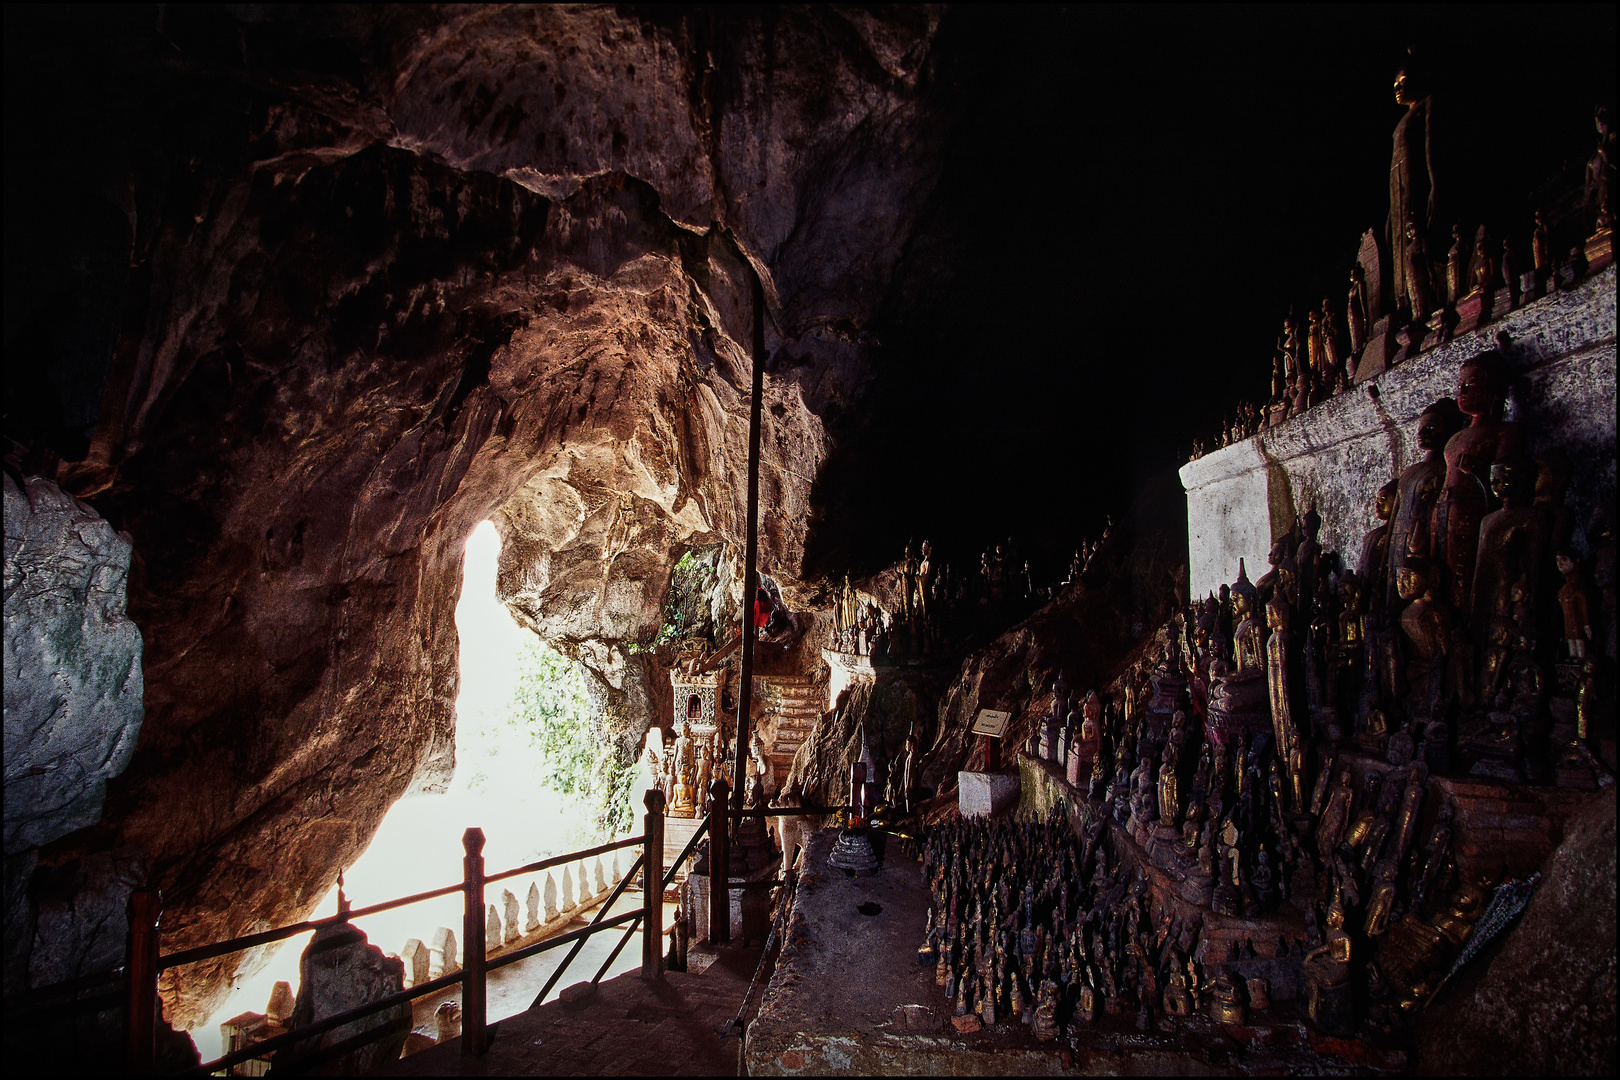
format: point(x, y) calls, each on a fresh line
point(529, 772)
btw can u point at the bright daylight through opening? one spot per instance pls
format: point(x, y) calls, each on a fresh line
point(528, 772)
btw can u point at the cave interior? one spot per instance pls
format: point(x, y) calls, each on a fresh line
point(296, 297)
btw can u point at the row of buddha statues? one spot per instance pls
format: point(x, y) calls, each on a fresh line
point(1030, 923)
point(1053, 926)
point(934, 601)
point(1272, 750)
point(1403, 300)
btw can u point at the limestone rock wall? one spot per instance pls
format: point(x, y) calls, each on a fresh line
point(1542, 1000)
point(391, 272)
point(73, 681)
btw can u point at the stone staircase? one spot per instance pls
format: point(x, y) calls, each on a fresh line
point(794, 703)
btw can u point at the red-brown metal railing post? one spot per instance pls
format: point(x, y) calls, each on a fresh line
point(145, 909)
point(652, 919)
point(474, 1040)
point(719, 864)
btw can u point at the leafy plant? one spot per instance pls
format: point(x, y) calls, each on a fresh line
point(549, 703)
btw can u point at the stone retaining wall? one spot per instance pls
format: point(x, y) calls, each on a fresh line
point(1561, 353)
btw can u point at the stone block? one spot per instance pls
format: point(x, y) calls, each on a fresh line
point(567, 902)
point(509, 917)
point(444, 956)
point(340, 971)
point(980, 794)
point(549, 909)
point(1338, 453)
point(580, 991)
point(492, 929)
point(531, 922)
point(418, 961)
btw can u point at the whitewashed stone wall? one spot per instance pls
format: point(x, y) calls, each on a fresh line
point(1561, 354)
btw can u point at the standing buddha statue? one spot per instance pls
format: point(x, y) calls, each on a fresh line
point(1416, 491)
point(1465, 500)
point(1290, 750)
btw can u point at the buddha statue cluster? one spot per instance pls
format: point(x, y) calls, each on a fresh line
point(1417, 286)
point(936, 610)
point(686, 768)
point(1269, 756)
point(1033, 924)
point(1069, 734)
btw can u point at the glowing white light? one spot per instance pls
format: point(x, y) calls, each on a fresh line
point(418, 846)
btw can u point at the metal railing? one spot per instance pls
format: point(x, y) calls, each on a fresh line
point(136, 981)
point(146, 961)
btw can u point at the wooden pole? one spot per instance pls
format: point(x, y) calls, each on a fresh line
point(145, 911)
point(745, 688)
point(719, 866)
point(652, 897)
point(474, 1035)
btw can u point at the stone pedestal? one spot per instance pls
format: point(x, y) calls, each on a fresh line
point(1379, 352)
point(985, 794)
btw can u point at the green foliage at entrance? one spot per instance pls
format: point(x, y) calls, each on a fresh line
point(549, 703)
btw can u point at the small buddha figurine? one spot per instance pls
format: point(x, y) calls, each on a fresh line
point(1331, 350)
point(1419, 288)
point(1227, 1000)
point(1264, 882)
point(1326, 972)
point(1483, 274)
point(1295, 370)
point(1573, 603)
point(1044, 1026)
point(1541, 249)
point(1375, 544)
point(1512, 544)
point(1361, 821)
point(1355, 313)
point(1416, 491)
point(1316, 354)
point(1085, 1009)
point(1426, 624)
point(1454, 266)
point(1289, 745)
point(1381, 902)
point(1464, 501)
point(1248, 645)
point(1177, 998)
point(1169, 796)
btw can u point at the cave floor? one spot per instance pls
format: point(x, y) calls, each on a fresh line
point(629, 1028)
point(849, 998)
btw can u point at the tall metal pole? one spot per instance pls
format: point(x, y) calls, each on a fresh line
point(745, 692)
point(474, 1034)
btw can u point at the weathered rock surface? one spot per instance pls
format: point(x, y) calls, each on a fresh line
point(340, 971)
point(384, 273)
point(73, 678)
point(1544, 1003)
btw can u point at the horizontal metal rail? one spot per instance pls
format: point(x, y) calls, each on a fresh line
point(558, 860)
point(787, 811)
point(36, 997)
point(561, 939)
point(265, 937)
